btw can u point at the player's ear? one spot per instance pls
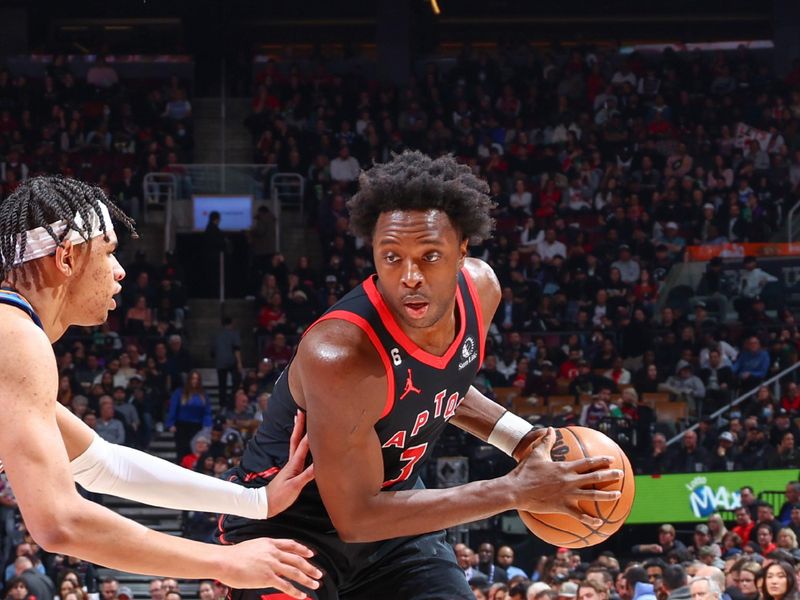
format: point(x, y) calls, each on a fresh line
point(65, 258)
point(462, 250)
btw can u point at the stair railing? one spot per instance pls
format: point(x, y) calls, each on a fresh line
point(160, 189)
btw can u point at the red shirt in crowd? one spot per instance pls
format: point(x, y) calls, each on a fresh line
point(744, 531)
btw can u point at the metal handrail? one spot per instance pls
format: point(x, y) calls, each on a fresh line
point(289, 179)
point(737, 401)
point(161, 188)
point(221, 278)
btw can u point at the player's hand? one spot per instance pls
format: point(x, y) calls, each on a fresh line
point(542, 486)
point(266, 563)
point(283, 490)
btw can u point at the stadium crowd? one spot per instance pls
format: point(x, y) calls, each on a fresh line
point(603, 169)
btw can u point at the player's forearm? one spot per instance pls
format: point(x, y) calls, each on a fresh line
point(120, 471)
point(95, 534)
point(394, 514)
point(478, 415)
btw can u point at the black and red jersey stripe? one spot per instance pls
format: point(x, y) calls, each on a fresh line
point(423, 390)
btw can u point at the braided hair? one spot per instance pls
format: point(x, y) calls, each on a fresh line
point(42, 200)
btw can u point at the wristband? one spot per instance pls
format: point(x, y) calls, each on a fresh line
point(508, 432)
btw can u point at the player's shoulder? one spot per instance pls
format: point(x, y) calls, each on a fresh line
point(485, 279)
point(18, 332)
point(25, 350)
point(335, 345)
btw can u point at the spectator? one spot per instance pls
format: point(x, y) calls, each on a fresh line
point(598, 409)
point(717, 378)
point(752, 364)
point(749, 501)
point(744, 524)
point(687, 386)
point(200, 446)
point(464, 557)
point(629, 269)
point(704, 588)
point(550, 247)
point(505, 559)
point(726, 454)
point(278, 351)
point(779, 582)
point(345, 168)
point(108, 427)
point(781, 425)
point(666, 544)
point(787, 540)
point(18, 589)
point(101, 74)
point(637, 586)
point(189, 411)
point(109, 588)
point(749, 573)
point(785, 455)
point(690, 457)
point(675, 583)
point(592, 590)
point(242, 416)
point(215, 245)
point(764, 537)
point(38, 584)
point(178, 108)
point(792, 497)
point(486, 565)
point(657, 460)
point(226, 350)
point(753, 279)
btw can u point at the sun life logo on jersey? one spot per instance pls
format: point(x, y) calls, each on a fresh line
point(468, 352)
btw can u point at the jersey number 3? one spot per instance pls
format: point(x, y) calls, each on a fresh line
point(411, 456)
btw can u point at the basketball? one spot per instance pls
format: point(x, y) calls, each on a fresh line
point(574, 443)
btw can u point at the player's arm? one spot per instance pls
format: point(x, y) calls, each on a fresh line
point(477, 414)
point(480, 416)
point(62, 521)
point(106, 468)
point(342, 383)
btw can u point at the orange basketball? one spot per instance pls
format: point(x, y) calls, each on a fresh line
point(573, 443)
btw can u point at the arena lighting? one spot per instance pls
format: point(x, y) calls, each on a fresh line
point(435, 8)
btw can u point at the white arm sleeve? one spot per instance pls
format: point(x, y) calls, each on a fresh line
point(127, 473)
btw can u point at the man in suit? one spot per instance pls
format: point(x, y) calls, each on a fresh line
point(510, 314)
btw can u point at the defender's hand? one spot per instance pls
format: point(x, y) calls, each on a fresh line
point(283, 490)
point(543, 486)
point(265, 563)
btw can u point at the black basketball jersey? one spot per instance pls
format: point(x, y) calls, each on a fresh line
point(424, 390)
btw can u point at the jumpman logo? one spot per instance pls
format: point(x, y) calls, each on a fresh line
point(409, 387)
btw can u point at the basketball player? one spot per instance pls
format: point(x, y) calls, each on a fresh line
point(58, 269)
point(379, 376)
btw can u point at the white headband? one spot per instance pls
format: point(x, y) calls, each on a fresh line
point(40, 243)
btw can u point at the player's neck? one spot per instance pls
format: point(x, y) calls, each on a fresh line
point(48, 303)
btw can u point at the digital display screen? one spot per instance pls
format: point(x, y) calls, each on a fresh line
point(236, 212)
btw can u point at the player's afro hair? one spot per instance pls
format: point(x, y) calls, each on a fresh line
point(414, 181)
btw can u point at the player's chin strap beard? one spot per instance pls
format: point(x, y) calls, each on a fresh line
point(40, 243)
